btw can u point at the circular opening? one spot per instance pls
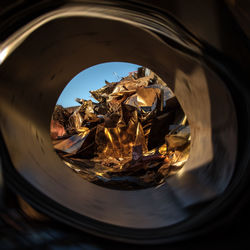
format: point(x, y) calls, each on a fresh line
point(127, 131)
point(77, 38)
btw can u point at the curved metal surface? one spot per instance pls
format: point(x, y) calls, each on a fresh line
point(95, 11)
point(39, 60)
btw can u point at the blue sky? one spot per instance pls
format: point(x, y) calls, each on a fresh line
point(93, 78)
